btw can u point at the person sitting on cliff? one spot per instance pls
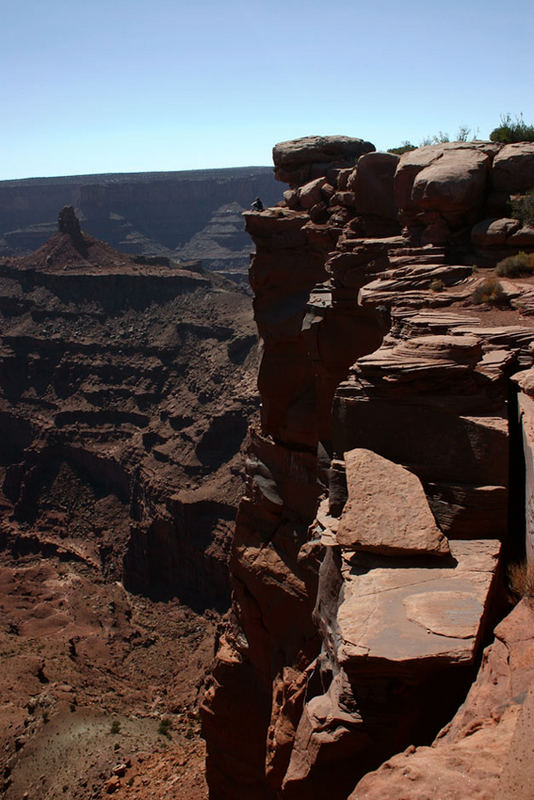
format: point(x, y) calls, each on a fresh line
point(257, 205)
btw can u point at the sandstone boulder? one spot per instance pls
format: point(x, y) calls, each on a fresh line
point(298, 160)
point(372, 184)
point(493, 231)
point(446, 177)
point(310, 194)
point(387, 511)
point(523, 237)
point(513, 168)
point(454, 182)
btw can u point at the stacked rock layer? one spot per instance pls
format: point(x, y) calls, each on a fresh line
point(366, 560)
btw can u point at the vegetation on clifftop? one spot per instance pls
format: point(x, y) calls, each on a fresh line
point(510, 131)
point(516, 265)
point(522, 207)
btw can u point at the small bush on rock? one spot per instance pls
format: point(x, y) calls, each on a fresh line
point(438, 138)
point(522, 207)
point(405, 147)
point(521, 579)
point(437, 285)
point(513, 266)
point(510, 130)
point(489, 291)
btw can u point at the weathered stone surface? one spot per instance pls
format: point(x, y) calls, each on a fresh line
point(386, 645)
point(408, 613)
point(453, 182)
point(310, 194)
point(372, 184)
point(517, 777)
point(494, 231)
point(523, 237)
point(525, 411)
point(68, 222)
point(513, 168)
point(299, 160)
point(410, 279)
point(387, 511)
point(312, 149)
point(438, 189)
point(446, 613)
point(486, 751)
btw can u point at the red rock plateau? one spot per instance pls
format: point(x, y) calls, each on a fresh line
point(126, 390)
point(389, 483)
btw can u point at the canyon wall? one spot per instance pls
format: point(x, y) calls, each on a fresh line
point(128, 385)
point(142, 213)
point(386, 481)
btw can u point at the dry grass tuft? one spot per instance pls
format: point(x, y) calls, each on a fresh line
point(521, 579)
point(489, 291)
point(515, 266)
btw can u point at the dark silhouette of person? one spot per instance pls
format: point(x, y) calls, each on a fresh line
point(257, 205)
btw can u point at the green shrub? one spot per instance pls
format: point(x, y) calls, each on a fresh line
point(522, 207)
point(439, 138)
point(512, 130)
point(437, 285)
point(466, 134)
point(405, 147)
point(489, 291)
point(115, 726)
point(513, 266)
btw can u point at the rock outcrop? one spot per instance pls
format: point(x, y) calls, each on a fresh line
point(368, 553)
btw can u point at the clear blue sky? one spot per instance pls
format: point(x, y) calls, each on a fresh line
point(133, 85)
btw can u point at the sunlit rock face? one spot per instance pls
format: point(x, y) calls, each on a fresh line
point(369, 546)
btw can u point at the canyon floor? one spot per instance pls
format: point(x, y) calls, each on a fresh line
point(94, 678)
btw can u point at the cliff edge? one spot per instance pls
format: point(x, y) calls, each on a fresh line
point(388, 484)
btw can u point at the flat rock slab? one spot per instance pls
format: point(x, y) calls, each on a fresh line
point(400, 613)
point(452, 614)
point(387, 511)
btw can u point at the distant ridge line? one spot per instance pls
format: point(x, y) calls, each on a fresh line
point(137, 177)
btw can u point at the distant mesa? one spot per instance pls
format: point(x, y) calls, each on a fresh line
point(70, 249)
point(177, 215)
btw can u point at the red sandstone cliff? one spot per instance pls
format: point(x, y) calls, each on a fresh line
point(385, 485)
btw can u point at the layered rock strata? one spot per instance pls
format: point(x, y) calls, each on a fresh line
point(171, 214)
point(366, 557)
point(125, 393)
